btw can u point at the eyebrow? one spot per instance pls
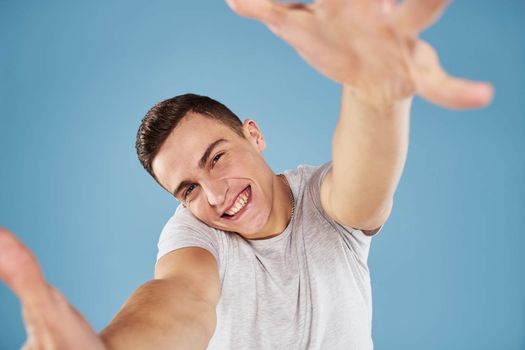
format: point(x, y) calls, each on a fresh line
point(202, 164)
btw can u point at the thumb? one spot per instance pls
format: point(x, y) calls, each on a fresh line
point(458, 93)
point(20, 271)
point(435, 85)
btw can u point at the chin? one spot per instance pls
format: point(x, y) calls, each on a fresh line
point(254, 226)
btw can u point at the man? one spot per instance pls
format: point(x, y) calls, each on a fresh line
point(301, 236)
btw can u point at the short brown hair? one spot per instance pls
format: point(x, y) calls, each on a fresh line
point(162, 119)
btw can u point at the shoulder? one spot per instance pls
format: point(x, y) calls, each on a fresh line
point(305, 174)
point(184, 218)
point(306, 170)
point(184, 230)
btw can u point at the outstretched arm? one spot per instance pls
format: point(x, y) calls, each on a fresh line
point(372, 48)
point(176, 310)
point(51, 323)
point(370, 145)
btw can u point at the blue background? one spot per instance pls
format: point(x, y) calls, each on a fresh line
point(448, 269)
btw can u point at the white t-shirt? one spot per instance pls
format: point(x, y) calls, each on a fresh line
point(307, 288)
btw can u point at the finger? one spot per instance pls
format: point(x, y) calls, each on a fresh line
point(266, 11)
point(31, 329)
point(28, 345)
point(413, 16)
point(32, 325)
point(19, 269)
point(37, 327)
point(387, 5)
point(457, 93)
point(29, 323)
point(288, 21)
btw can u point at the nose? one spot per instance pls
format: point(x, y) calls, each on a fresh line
point(215, 192)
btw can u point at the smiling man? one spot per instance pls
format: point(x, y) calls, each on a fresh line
point(254, 259)
point(288, 270)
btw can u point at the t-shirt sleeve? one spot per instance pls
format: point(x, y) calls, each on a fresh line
point(357, 240)
point(184, 230)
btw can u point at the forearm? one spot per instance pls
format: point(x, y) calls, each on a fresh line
point(370, 147)
point(161, 314)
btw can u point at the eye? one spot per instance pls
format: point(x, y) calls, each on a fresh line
point(216, 158)
point(189, 190)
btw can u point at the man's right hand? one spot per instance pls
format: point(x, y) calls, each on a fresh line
point(50, 321)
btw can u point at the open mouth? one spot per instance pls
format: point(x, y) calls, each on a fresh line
point(240, 205)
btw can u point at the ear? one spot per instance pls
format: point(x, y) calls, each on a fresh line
point(254, 135)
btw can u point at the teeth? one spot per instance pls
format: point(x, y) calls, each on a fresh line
point(239, 204)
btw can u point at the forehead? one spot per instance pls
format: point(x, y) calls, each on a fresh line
point(186, 144)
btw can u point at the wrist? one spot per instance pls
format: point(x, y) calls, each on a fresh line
point(375, 103)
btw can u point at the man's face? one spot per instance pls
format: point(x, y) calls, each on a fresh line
point(222, 178)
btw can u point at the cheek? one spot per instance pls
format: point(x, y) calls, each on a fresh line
point(254, 167)
point(199, 207)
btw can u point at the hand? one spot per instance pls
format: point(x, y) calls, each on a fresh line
point(51, 323)
point(371, 46)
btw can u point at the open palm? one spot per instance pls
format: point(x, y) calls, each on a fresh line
point(51, 322)
point(371, 46)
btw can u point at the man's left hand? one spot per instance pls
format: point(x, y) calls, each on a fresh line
point(371, 46)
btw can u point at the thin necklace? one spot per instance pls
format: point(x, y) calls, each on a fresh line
point(290, 192)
